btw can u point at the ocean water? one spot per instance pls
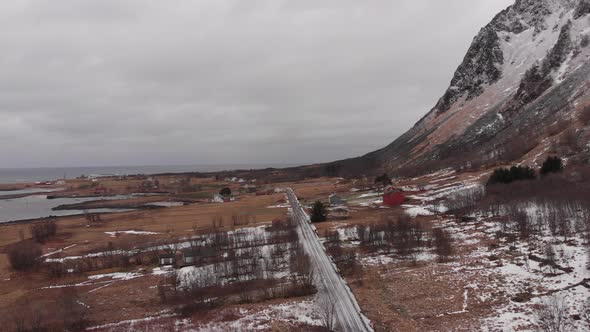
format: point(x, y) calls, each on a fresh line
point(23, 175)
point(38, 206)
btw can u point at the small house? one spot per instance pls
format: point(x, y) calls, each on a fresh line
point(167, 259)
point(336, 200)
point(197, 255)
point(393, 196)
point(188, 257)
point(206, 254)
point(249, 188)
point(339, 213)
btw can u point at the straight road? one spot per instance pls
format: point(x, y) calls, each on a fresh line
point(348, 316)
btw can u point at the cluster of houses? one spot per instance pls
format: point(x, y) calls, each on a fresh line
point(338, 209)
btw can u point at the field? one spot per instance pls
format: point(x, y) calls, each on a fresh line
point(444, 260)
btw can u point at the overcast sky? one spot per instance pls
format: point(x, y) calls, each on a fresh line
point(134, 82)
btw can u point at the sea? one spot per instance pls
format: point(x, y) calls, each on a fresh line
point(38, 206)
point(27, 175)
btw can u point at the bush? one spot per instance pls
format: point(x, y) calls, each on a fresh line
point(318, 212)
point(443, 244)
point(515, 173)
point(42, 230)
point(552, 165)
point(23, 255)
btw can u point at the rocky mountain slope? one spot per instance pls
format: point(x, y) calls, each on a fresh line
point(524, 80)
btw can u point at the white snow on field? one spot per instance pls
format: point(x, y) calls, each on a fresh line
point(166, 204)
point(130, 232)
point(415, 210)
point(224, 272)
point(58, 251)
point(133, 322)
point(248, 234)
point(370, 194)
point(117, 276)
point(278, 206)
point(302, 312)
point(385, 259)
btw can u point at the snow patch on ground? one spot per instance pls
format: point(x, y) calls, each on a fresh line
point(295, 313)
point(130, 232)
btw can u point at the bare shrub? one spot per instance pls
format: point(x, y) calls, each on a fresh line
point(521, 219)
point(443, 244)
point(73, 311)
point(550, 257)
point(327, 311)
point(23, 255)
point(465, 201)
point(42, 230)
point(552, 315)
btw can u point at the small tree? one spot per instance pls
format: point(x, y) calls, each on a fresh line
point(327, 308)
point(318, 212)
point(552, 165)
point(225, 192)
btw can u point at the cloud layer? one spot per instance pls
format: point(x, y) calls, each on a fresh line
point(114, 82)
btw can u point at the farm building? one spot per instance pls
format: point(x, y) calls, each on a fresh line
point(167, 259)
point(336, 200)
point(198, 255)
point(393, 196)
point(339, 213)
point(249, 188)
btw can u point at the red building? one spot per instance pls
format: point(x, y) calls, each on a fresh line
point(392, 196)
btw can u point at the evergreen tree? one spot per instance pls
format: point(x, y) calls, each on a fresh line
point(318, 212)
point(514, 173)
point(225, 192)
point(383, 179)
point(552, 165)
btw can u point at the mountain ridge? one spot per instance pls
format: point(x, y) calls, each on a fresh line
point(532, 51)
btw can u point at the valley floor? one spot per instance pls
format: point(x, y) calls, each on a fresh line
point(490, 281)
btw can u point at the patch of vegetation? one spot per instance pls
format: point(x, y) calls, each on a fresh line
point(509, 175)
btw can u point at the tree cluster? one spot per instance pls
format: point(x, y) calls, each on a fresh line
point(42, 230)
point(552, 165)
point(509, 175)
point(23, 255)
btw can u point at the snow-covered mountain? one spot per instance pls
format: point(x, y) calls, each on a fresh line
point(525, 70)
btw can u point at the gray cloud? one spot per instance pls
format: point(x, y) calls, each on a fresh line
point(222, 81)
